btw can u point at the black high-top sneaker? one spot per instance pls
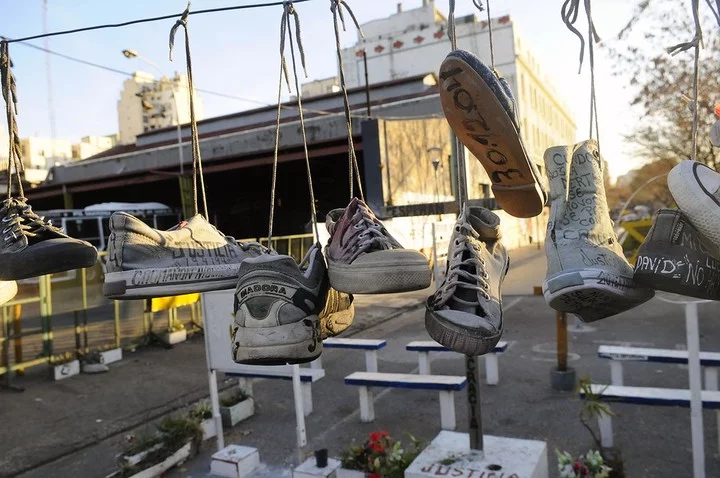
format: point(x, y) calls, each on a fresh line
point(30, 246)
point(676, 257)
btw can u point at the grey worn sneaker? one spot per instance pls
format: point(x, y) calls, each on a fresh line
point(31, 246)
point(587, 273)
point(276, 308)
point(676, 257)
point(465, 313)
point(191, 257)
point(363, 258)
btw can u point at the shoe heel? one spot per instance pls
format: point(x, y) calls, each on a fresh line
point(299, 342)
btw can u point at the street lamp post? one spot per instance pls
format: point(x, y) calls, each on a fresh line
point(436, 152)
point(130, 54)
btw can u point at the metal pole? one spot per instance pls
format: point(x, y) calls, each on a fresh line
point(696, 423)
point(215, 404)
point(367, 86)
point(436, 266)
point(299, 412)
point(17, 332)
point(562, 340)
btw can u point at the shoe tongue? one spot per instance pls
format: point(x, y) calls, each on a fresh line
point(485, 223)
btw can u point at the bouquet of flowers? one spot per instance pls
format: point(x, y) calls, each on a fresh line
point(381, 456)
point(589, 465)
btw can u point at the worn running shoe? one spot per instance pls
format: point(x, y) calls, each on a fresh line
point(587, 273)
point(481, 110)
point(337, 315)
point(276, 309)
point(32, 247)
point(191, 257)
point(363, 258)
point(696, 190)
point(465, 313)
point(8, 290)
point(676, 257)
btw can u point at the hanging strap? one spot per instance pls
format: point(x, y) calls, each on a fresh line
point(336, 6)
point(197, 159)
point(569, 12)
point(9, 92)
point(286, 28)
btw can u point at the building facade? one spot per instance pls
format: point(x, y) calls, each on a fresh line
point(92, 145)
point(147, 104)
point(414, 42)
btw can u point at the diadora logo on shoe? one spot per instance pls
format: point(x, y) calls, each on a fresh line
point(264, 288)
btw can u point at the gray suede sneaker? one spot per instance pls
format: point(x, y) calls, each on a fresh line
point(465, 313)
point(276, 309)
point(193, 256)
point(587, 273)
point(30, 246)
point(363, 258)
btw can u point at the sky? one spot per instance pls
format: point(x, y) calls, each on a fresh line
point(236, 53)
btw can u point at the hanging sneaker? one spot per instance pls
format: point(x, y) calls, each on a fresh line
point(8, 290)
point(337, 315)
point(696, 190)
point(465, 313)
point(276, 309)
point(676, 257)
point(191, 257)
point(481, 110)
point(33, 247)
point(587, 273)
point(363, 258)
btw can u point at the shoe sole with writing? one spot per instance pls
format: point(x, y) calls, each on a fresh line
point(593, 294)
point(464, 340)
point(298, 342)
point(484, 127)
point(163, 282)
point(678, 269)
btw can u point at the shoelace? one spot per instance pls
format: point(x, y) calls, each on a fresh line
point(18, 219)
point(458, 275)
point(377, 238)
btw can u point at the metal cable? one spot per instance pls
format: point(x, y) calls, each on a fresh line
point(480, 7)
point(195, 140)
point(336, 9)
point(451, 25)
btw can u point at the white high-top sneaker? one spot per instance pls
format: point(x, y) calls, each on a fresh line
point(587, 273)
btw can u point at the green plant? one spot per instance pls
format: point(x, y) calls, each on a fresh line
point(592, 409)
point(202, 411)
point(381, 456)
point(172, 434)
point(589, 465)
point(234, 399)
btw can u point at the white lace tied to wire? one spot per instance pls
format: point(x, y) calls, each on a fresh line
point(569, 12)
point(286, 29)
point(336, 7)
point(197, 159)
point(9, 93)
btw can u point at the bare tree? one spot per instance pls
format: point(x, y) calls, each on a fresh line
point(662, 84)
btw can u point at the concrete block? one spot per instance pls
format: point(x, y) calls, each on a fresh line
point(308, 469)
point(449, 454)
point(235, 461)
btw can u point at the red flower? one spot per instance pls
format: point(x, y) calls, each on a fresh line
point(375, 436)
point(374, 475)
point(376, 447)
point(383, 433)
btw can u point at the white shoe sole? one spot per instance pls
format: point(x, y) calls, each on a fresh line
point(698, 204)
point(8, 290)
point(593, 294)
point(463, 340)
point(163, 282)
point(299, 342)
point(377, 278)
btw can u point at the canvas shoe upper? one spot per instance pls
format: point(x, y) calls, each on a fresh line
point(696, 190)
point(276, 309)
point(32, 247)
point(587, 273)
point(465, 313)
point(191, 257)
point(363, 258)
point(337, 315)
point(676, 257)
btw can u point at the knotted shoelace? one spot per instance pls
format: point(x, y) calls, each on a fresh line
point(459, 275)
point(18, 219)
point(374, 236)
